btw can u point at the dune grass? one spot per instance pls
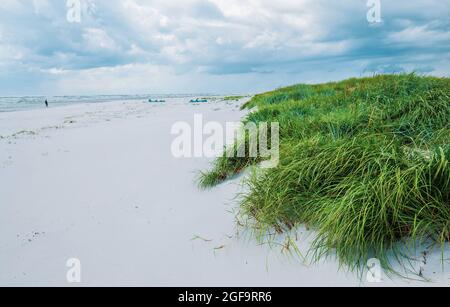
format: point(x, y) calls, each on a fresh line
point(364, 162)
point(233, 98)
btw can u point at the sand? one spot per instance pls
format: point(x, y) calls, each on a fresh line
point(98, 182)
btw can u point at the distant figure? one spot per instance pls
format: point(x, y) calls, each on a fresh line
point(46, 103)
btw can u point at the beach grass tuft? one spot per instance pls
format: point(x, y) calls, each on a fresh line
point(233, 98)
point(364, 162)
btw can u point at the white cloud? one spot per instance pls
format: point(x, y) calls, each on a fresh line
point(10, 54)
point(98, 39)
point(41, 6)
point(11, 5)
point(419, 36)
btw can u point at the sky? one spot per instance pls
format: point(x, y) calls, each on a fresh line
point(213, 46)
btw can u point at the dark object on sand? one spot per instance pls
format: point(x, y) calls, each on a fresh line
point(46, 103)
point(199, 100)
point(156, 100)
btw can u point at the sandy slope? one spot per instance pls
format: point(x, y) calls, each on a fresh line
point(99, 183)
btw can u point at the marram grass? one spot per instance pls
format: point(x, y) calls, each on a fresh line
point(363, 162)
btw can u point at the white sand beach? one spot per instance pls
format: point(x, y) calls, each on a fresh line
point(98, 182)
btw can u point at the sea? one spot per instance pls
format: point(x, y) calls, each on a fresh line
point(11, 104)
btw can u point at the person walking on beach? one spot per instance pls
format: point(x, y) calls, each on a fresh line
point(46, 103)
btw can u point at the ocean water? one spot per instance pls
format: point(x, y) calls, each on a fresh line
point(10, 104)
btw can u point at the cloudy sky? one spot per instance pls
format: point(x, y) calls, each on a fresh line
point(213, 46)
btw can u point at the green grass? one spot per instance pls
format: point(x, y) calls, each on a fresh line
point(234, 98)
point(364, 162)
